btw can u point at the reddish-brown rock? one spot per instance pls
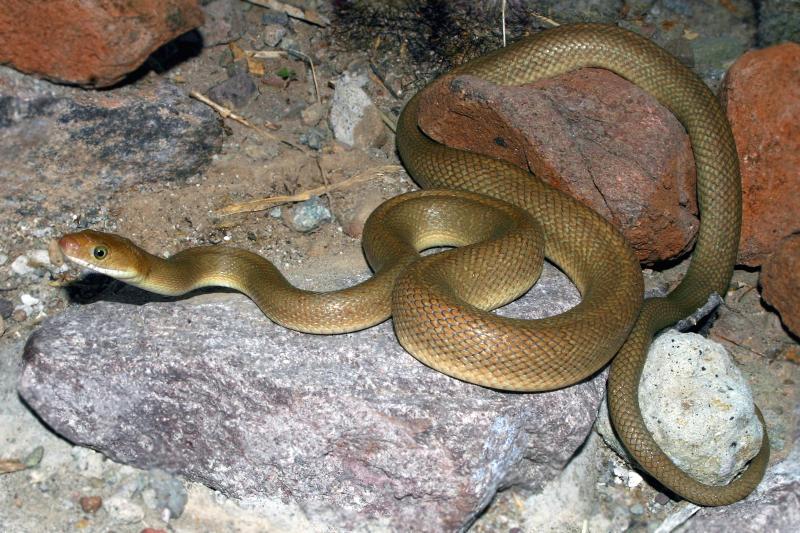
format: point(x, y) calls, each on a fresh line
point(92, 42)
point(761, 92)
point(780, 282)
point(589, 133)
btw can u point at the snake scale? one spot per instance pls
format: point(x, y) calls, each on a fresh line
point(503, 223)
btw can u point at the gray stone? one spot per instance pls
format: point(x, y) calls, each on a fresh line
point(271, 16)
point(349, 427)
point(309, 215)
point(354, 119)
point(166, 492)
point(314, 138)
point(237, 91)
point(6, 307)
point(778, 21)
point(112, 139)
point(272, 34)
point(224, 22)
point(713, 431)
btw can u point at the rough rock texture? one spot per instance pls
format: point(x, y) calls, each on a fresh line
point(589, 133)
point(128, 136)
point(93, 42)
point(761, 92)
point(780, 282)
point(773, 506)
point(350, 427)
point(224, 22)
point(354, 119)
point(713, 431)
point(778, 20)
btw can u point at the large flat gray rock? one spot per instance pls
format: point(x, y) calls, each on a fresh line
point(350, 427)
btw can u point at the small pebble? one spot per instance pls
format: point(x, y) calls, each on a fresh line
point(34, 458)
point(3, 259)
point(275, 212)
point(637, 509)
point(123, 511)
point(634, 479)
point(19, 315)
point(272, 16)
point(21, 267)
point(272, 34)
point(314, 138)
point(312, 114)
point(39, 258)
point(2, 326)
point(662, 499)
point(90, 504)
point(28, 300)
point(166, 492)
point(6, 308)
point(309, 215)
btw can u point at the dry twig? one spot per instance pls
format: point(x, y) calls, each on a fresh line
point(11, 465)
point(227, 113)
point(306, 15)
point(265, 203)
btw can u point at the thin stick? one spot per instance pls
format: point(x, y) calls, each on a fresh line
point(306, 15)
point(547, 20)
point(265, 203)
point(10, 465)
point(227, 113)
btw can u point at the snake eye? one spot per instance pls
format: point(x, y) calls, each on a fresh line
point(100, 252)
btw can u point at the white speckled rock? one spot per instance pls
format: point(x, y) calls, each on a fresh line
point(698, 406)
point(350, 428)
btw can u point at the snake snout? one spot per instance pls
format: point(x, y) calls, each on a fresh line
point(69, 245)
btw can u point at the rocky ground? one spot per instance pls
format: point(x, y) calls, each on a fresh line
point(145, 160)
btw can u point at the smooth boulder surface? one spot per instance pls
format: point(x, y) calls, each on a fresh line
point(350, 427)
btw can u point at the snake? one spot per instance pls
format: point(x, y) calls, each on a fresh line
point(502, 220)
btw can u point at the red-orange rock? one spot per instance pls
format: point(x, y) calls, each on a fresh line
point(780, 282)
point(761, 92)
point(589, 133)
point(92, 42)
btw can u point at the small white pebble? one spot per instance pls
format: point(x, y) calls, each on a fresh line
point(28, 300)
point(634, 479)
point(39, 258)
point(3, 259)
point(20, 266)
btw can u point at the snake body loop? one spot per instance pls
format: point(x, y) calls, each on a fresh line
point(440, 304)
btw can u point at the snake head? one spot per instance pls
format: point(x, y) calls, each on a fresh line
point(105, 253)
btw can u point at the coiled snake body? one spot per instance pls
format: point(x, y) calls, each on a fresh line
point(440, 303)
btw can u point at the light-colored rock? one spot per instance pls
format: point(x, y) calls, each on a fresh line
point(354, 119)
point(773, 506)
point(39, 258)
point(123, 511)
point(21, 266)
point(350, 427)
point(698, 407)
